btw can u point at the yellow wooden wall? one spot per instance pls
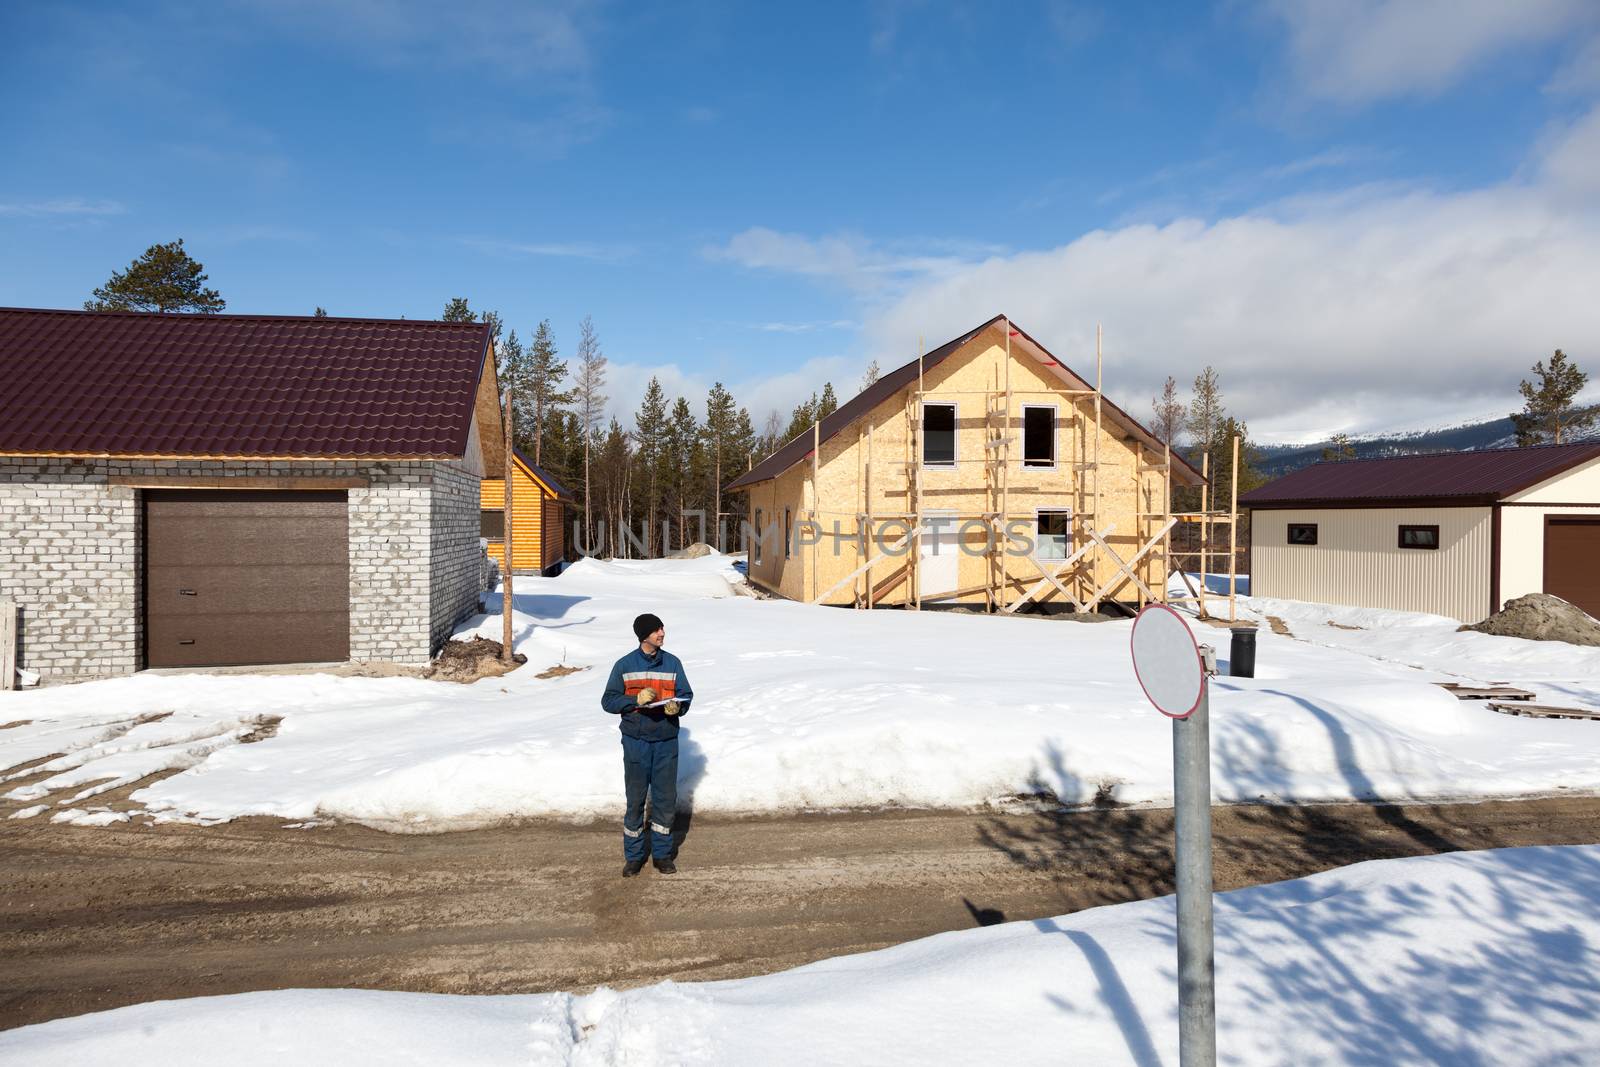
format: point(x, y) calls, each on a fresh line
point(842, 483)
point(527, 519)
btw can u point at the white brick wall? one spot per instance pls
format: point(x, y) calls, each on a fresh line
point(71, 556)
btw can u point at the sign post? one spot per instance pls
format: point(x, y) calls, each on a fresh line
point(1172, 669)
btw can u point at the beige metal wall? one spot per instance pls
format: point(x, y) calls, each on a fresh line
point(845, 479)
point(1357, 559)
point(1577, 492)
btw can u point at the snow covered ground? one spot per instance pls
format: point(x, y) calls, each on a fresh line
point(809, 708)
point(1483, 958)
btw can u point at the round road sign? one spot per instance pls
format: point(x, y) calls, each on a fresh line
point(1167, 661)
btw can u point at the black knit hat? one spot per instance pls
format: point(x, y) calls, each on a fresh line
point(645, 625)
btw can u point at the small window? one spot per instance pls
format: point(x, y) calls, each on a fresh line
point(788, 550)
point(1302, 533)
point(492, 525)
point(939, 435)
point(759, 533)
point(1038, 436)
point(1054, 534)
point(1419, 537)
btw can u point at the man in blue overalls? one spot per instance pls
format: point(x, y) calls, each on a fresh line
point(650, 693)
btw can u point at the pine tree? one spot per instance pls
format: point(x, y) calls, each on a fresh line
point(682, 437)
point(591, 401)
point(1167, 412)
point(511, 365)
point(456, 310)
point(722, 424)
point(800, 420)
point(545, 376)
point(871, 375)
point(320, 313)
point(1339, 447)
point(650, 426)
point(828, 403)
point(165, 278)
point(1205, 412)
point(1548, 413)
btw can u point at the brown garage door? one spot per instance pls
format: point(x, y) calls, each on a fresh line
point(246, 577)
point(1572, 561)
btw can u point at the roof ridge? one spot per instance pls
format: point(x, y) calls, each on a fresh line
point(190, 316)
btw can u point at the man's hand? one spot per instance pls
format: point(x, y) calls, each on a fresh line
point(673, 708)
point(646, 695)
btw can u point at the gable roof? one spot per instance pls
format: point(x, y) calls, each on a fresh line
point(542, 476)
point(84, 383)
point(1485, 476)
point(903, 377)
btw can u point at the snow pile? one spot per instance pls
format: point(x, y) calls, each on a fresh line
point(1469, 958)
point(1542, 617)
point(801, 707)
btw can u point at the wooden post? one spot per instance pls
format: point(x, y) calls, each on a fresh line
point(872, 534)
point(505, 578)
point(916, 458)
point(1233, 538)
point(816, 527)
point(1205, 525)
point(8, 644)
point(1166, 547)
point(1005, 480)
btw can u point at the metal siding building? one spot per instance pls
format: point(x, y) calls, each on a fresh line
point(1509, 522)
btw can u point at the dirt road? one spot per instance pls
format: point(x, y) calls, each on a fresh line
point(96, 918)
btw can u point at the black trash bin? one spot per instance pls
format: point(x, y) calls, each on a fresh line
point(1242, 652)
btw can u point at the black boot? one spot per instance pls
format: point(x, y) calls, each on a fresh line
point(632, 867)
point(666, 866)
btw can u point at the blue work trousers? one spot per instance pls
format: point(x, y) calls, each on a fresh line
point(650, 768)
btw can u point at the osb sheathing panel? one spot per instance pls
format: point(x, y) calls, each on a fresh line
point(844, 480)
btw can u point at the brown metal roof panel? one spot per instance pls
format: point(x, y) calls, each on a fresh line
point(131, 383)
point(1492, 473)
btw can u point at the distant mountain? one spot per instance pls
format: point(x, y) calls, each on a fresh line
point(1278, 460)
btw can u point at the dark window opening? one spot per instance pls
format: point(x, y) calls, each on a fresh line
point(759, 534)
point(1302, 533)
point(1419, 537)
point(1054, 540)
point(788, 551)
point(492, 524)
point(939, 435)
point(1038, 437)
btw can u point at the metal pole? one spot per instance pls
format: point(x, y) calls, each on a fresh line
point(1191, 765)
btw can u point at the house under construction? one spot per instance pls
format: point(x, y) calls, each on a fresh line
point(984, 473)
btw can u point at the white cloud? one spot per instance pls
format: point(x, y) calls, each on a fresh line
point(63, 207)
point(590, 250)
point(1355, 51)
point(847, 260)
point(1378, 308)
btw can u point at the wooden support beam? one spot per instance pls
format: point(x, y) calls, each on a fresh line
point(863, 569)
point(1124, 566)
point(1060, 568)
point(1233, 539)
point(8, 644)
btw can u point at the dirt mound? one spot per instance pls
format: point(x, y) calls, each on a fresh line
point(1541, 617)
point(694, 551)
point(467, 661)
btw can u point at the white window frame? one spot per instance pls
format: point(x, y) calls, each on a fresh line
point(1055, 429)
point(955, 436)
point(1038, 542)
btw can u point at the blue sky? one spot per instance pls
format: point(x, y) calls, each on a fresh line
point(1366, 214)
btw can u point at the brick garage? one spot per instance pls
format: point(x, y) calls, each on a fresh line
point(111, 411)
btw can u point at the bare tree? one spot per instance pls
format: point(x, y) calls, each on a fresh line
point(589, 389)
point(1168, 412)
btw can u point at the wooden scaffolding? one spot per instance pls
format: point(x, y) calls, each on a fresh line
point(1074, 578)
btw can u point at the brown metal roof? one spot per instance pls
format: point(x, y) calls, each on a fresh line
point(557, 490)
point(143, 384)
point(1489, 475)
point(905, 377)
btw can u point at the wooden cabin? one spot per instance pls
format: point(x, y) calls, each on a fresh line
point(538, 517)
point(985, 473)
